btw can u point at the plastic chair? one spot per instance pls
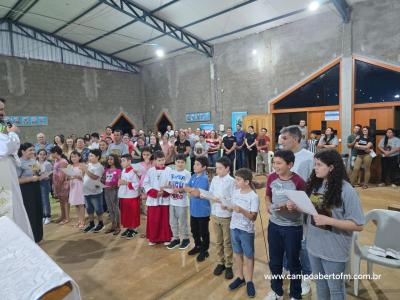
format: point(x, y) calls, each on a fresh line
point(387, 236)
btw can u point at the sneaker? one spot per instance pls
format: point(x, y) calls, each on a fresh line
point(125, 233)
point(134, 232)
point(219, 269)
point(394, 186)
point(130, 235)
point(98, 228)
point(151, 244)
point(381, 184)
point(166, 243)
point(89, 227)
point(305, 287)
point(202, 256)
point(173, 244)
point(237, 283)
point(228, 273)
point(194, 251)
point(294, 298)
point(43, 220)
point(46, 221)
point(273, 296)
point(185, 243)
point(251, 291)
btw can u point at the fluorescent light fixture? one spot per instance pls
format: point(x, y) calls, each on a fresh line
point(160, 53)
point(313, 6)
point(397, 96)
point(254, 52)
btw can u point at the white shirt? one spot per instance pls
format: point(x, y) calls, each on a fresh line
point(91, 186)
point(131, 189)
point(223, 188)
point(248, 201)
point(156, 179)
point(303, 163)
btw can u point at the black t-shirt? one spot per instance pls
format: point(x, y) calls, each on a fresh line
point(228, 141)
point(181, 147)
point(363, 142)
point(251, 138)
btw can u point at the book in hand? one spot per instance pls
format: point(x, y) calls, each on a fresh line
point(388, 253)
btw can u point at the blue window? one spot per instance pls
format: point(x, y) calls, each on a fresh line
point(320, 91)
point(375, 84)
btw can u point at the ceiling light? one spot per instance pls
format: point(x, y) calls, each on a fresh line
point(397, 96)
point(160, 53)
point(254, 52)
point(313, 6)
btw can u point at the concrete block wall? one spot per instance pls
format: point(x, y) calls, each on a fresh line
point(75, 99)
point(236, 80)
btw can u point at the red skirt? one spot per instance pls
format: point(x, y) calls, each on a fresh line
point(130, 212)
point(158, 229)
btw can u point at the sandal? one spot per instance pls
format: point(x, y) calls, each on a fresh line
point(109, 230)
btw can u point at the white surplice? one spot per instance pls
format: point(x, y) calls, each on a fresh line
point(9, 145)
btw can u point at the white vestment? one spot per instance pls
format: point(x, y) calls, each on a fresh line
point(9, 185)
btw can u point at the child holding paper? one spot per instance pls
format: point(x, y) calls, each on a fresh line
point(156, 179)
point(245, 205)
point(329, 233)
point(199, 209)
point(129, 200)
point(178, 209)
point(285, 229)
point(222, 187)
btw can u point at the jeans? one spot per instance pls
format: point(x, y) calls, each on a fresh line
point(333, 289)
point(200, 232)
point(281, 240)
point(45, 191)
point(305, 262)
point(390, 167)
point(212, 159)
point(94, 203)
point(240, 158)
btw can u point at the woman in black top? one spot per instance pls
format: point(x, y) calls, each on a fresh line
point(251, 148)
point(364, 147)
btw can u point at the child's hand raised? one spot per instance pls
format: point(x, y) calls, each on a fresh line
point(160, 193)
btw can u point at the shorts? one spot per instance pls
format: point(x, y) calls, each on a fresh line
point(94, 203)
point(242, 242)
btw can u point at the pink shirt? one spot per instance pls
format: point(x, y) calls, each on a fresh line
point(112, 176)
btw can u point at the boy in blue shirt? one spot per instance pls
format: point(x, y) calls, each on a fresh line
point(199, 209)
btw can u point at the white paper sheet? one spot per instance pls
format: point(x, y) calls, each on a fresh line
point(71, 172)
point(302, 201)
point(206, 194)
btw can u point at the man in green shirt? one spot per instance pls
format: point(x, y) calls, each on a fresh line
point(351, 141)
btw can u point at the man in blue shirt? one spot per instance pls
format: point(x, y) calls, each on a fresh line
point(240, 153)
point(199, 209)
point(42, 143)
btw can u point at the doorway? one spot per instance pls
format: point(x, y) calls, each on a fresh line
point(163, 122)
point(124, 123)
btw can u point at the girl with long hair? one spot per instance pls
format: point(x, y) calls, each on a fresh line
point(329, 232)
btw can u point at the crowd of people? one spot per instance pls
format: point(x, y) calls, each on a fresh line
point(164, 176)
